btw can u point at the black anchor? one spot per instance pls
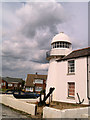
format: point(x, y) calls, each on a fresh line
point(80, 102)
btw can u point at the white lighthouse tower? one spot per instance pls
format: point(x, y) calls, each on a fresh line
point(61, 46)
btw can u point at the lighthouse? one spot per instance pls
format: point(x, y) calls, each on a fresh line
point(60, 47)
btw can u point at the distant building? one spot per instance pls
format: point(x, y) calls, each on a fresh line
point(69, 71)
point(0, 82)
point(35, 83)
point(11, 83)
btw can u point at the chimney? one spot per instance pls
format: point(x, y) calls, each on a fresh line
point(36, 73)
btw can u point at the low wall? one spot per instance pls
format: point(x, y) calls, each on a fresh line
point(49, 112)
point(18, 104)
point(25, 100)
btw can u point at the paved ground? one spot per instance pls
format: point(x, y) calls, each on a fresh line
point(7, 112)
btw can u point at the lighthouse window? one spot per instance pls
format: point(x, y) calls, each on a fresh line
point(58, 45)
point(55, 45)
point(61, 45)
point(64, 45)
point(67, 45)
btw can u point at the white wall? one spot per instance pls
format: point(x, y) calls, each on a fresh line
point(52, 74)
point(18, 104)
point(58, 78)
point(60, 51)
point(89, 74)
point(66, 113)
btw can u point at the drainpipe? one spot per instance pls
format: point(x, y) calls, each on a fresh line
point(88, 82)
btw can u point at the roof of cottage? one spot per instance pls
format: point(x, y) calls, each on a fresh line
point(31, 77)
point(10, 80)
point(77, 53)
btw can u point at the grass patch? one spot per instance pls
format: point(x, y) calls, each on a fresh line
point(62, 105)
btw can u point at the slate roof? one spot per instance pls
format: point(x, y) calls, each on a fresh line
point(31, 77)
point(9, 79)
point(77, 53)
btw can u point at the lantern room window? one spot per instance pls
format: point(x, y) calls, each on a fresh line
point(61, 45)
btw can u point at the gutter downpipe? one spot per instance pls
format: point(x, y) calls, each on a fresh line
point(88, 83)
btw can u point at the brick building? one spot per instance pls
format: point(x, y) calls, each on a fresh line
point(11, 83)
point(35, 83)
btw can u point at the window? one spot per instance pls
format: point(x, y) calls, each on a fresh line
point(38, 81)
point(3, 83)
point(10, 85)
point(71, 89)
point(15, 85)
point(61, 45)
point(27, 88)
point(38, 89)
point(66, 45)
point(71, 66)
point(53, 45)
point(57, 44)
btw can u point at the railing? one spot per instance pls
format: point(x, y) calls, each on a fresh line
point(48, 54)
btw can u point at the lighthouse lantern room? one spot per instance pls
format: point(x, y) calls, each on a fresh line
point(61, 46)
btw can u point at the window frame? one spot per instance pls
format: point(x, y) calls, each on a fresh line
point(61, 45)
point(71, 69)
point(38, 81)
point(71, 96)
point(10, 85)
point(38, 89)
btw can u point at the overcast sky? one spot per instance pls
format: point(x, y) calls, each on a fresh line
point(28, 29)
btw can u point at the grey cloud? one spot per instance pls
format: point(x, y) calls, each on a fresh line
point(26, 48)
point(41, 16)
point(29, 36)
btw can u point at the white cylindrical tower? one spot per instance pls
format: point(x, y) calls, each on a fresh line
point(61, 46)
